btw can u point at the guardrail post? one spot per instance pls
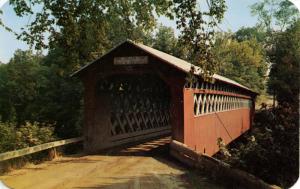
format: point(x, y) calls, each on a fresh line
point(52, 154)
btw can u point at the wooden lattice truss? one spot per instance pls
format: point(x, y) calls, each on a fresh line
point(209, 98)
point(137, 103)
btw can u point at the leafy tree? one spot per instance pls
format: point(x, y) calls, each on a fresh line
point(243, 61)
point(33, 90)
point(6, 110)
point(3, 25)
point(275, 16)
point(248, 33)
point(275, 13)
point(272, 145)
point(84, 30)
point(7, 137)
point(19, 86)
point(62, 98)
point(166, 41)
point(197, 30)
point(285, 74)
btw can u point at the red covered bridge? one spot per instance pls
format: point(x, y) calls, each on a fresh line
point(135, 92)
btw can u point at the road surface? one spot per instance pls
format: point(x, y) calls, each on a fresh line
point(144, 166)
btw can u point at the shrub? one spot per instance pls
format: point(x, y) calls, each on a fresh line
point(270, 150)
point(7, 137)
point(29, 134)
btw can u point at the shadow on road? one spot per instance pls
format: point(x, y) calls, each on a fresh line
point(157, 148)
point(146, 165)
point(154, 147)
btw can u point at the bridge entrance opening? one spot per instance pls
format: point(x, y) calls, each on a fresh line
point(137, 103)
point(138, 107)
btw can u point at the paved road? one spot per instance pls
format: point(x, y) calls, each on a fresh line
point(143, 166)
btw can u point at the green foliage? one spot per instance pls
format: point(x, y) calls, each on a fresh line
point(222, 147)
point(275, 14)
point(285, 75)
point(6, 111)
point(166, 41)
point(248, 33)
point(271, 149)
point(63, 97)
point(7, 137)
point(34, 90)
point(19, 84)
point(29, 134)
point(4, 26)
point(243, 61)
point(197, 31)
point(84, 30)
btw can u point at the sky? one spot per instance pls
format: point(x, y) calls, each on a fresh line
point(237, 15)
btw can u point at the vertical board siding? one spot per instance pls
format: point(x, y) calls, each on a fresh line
point(214, 115)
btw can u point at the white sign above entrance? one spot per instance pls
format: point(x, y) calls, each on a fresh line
point(130, 60)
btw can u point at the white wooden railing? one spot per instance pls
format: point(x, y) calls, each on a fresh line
point(37, 148)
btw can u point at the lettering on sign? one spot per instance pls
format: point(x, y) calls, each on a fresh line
point(130, 60)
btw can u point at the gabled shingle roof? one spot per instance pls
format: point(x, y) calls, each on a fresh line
point(172, 61)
